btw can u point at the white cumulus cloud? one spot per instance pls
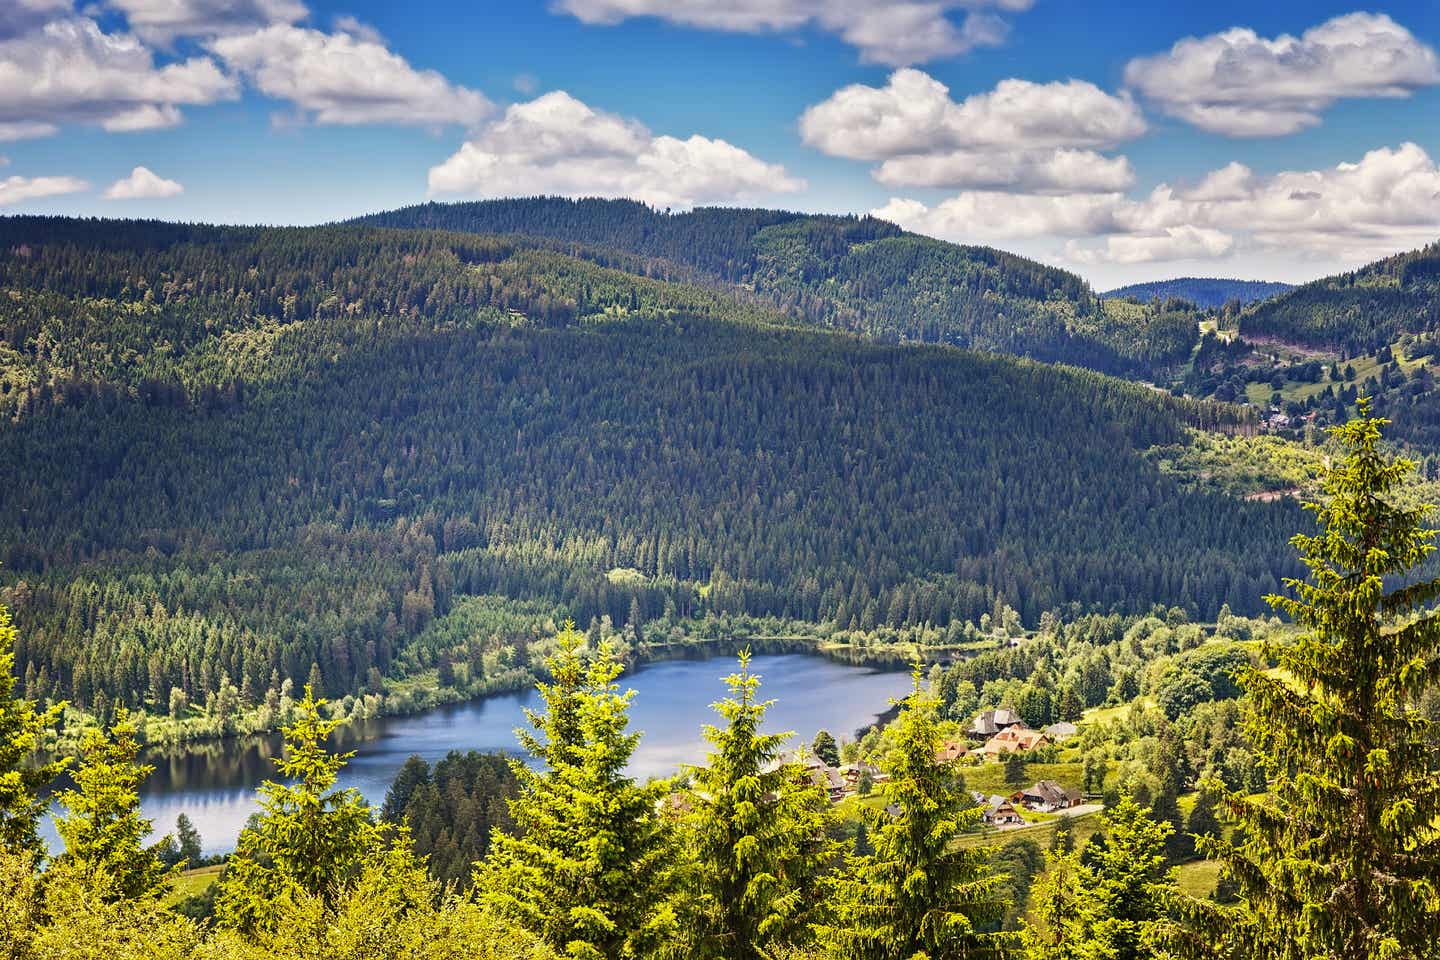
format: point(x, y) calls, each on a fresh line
point(70, 71)
point(161, 21)
point(343, 78)
point(21, 16)
point(1387, 201)
point(15, 190)
point(892, 32)
point(143, 184)
point(1244, 85)
point(555, 144)
point(1019, 136)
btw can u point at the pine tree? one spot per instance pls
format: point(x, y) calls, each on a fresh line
point(22, 730)
point(1055, 930)
point(918, 894)
point(755, 830)
point(101, 827)
point(188, 840)
point(1340, 858)
point(825, 748)
point(589, 865)
point(1126, 896)
point(308, 838)
point(1107, 903)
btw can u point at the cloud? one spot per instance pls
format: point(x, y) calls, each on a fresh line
point(1244, 85)
point(1020, 135)
point(1081, 171)
point(1172, 243)
point(69, 71)
point(556, 144)
point(22, 16)
point(143, 184)
point(160, 21)
point(343, 78)
point(891, 32)
point(1389, 200)
point(15, 190)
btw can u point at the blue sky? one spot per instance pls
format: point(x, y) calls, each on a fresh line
point(1124, 141)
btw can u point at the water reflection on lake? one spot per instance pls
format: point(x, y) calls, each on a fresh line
point(215, 783)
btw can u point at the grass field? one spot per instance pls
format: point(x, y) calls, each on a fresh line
point(1080, 827)
point(1198, 879)
point(989, 778)
point(192, 882)
point(1365, 366)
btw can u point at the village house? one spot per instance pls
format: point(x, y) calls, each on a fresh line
point(950, 751)
point(852, 772)
point(820, 773)
point(1012, 740)
point(1062, 731)
point(1047, 796)
point(987, 723)
point(998, 811)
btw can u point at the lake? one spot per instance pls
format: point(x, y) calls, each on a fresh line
point(214, 783)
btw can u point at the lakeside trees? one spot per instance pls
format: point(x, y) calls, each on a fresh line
point(1335, 858)
point(192, 508)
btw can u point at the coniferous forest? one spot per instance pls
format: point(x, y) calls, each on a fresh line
point(235, 457)
point(1327, 848)
point(281, 480)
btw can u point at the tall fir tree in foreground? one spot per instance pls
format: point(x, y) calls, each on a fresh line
point(919, 894)
point(309, 838)
point(755, 833)
point(1108, 905)
point(1340, 858)
point(22, 730)
point(101, 827)
point(589, 865)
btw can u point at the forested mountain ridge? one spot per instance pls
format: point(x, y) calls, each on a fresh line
point(1357, 312)
point(233, 456)
point(854, 273)
point(1205, 292)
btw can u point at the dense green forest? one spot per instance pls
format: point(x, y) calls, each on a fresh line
point(1301, 768)
point(1359, 311)
point(1205, 292)
point(235, 457)
point(858, 274)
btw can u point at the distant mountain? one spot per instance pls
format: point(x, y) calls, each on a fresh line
point(229, 454)
point(1201, 291)
point(1359, 311)
point(852, 273)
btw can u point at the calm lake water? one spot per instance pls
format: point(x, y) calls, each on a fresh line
point(215, 783)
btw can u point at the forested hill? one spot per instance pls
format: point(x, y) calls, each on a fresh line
point(235, 453)
point(1356, 312)
point(859, 274)
point(1205, 292)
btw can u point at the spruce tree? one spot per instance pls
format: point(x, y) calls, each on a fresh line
point(309, 837)
point(589, 864)
point(756, 831)
point(1107, 904)
point(825, 748)
point(101, 827)
point(1126, 897)
point(1340, 857)
point(22, 730)
point(919, 893)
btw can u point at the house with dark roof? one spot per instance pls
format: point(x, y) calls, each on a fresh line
point(987, 723)
point(1047, 796)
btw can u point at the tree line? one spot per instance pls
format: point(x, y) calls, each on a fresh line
point(1335, 857)
point(239, 457)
